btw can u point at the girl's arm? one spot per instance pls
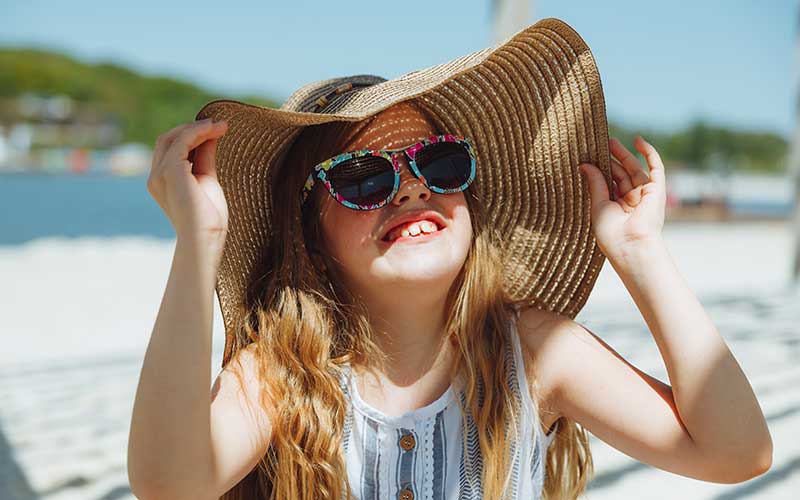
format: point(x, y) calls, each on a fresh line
point(708, 424)
point(712, 394)
point(186, 440)
point(589, 382)
point(169, 447)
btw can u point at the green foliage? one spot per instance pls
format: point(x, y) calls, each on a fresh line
point(704, 146)
point(143, 106)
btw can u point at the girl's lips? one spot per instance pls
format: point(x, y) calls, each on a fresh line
point(416, 215)
point(414, 239)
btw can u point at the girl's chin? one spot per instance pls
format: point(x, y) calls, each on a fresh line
point(423, 270)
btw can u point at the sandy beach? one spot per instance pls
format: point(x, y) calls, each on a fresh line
point(77, 316)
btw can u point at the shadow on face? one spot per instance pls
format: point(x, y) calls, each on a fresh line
point(352, 239)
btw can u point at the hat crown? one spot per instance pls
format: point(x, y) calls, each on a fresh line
point(326, 96)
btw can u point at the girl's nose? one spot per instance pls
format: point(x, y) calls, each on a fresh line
point(410, 187)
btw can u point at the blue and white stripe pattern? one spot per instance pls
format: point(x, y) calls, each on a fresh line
point(435, 468)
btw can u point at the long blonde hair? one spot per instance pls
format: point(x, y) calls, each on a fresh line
point(312, 326)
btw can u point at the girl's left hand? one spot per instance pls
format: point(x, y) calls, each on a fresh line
point(637, 215)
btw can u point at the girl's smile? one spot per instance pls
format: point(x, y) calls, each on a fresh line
point(432, 231)
point(408, 238)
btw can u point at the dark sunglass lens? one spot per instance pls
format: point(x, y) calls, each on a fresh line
point(364, 181)
point(445, 165)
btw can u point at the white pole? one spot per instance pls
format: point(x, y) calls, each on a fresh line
point(794, 157)
point(510, 16)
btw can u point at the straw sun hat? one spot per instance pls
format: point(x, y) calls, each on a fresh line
point(534, 110)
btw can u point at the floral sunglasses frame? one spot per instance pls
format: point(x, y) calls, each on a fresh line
point(322, 168)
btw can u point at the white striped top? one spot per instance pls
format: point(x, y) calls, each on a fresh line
point(418, 455)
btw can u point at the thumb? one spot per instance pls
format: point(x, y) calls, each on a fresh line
point(205, 161)
point(598, 189)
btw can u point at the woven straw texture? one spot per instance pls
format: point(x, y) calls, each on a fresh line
point(533, 106)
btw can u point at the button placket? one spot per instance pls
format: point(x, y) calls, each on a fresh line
point(407, 441)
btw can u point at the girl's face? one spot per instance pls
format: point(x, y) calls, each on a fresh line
point(354, 239)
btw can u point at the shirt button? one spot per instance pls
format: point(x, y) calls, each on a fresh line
point(407, 442)
point(406, 494)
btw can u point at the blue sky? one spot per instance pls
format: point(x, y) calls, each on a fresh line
point(662, 64)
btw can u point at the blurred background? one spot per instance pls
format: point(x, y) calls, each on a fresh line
point(87, 86)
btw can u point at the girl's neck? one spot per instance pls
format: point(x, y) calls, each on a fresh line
point(418, 355)
point(412, 337)
point(410, 385)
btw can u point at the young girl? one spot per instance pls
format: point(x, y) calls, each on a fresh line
point(380, 354)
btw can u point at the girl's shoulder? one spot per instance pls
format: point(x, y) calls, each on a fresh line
point(537, 329)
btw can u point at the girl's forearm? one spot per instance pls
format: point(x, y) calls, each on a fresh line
point(712, 394)
point(169, 448)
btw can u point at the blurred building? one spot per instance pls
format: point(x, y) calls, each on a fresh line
point(693, 194)
point(54, 134)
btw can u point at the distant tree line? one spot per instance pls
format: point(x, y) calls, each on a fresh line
point(705, 147)
point(145, 106)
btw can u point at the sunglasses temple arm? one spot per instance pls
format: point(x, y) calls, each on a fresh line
point(307, 186)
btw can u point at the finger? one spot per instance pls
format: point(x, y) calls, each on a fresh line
point(598, 189)
point(164, 141)
point(629, 162)
point(621, 176)
point(190, 138)
point(653, 159)
point(205, 158)
point(615, 190)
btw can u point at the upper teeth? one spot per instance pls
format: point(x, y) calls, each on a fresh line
point(413, 229)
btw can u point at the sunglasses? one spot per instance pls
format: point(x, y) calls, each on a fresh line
point(368, 179)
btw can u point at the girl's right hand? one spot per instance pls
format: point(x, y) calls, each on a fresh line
point(183, 181)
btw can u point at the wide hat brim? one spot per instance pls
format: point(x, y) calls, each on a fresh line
point(534, 109)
